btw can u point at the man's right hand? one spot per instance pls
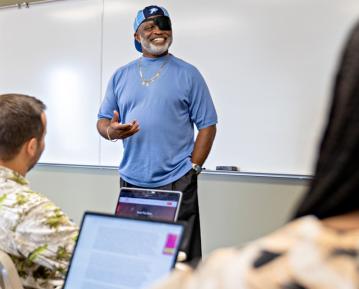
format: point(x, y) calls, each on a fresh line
point(111, 129)
point(118, 130)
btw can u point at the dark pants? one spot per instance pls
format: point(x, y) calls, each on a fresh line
point(188, 213)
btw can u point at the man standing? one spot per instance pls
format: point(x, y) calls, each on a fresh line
point(36, 234)
point(152, 104)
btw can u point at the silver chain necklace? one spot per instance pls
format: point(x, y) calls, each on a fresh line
point(147, 82)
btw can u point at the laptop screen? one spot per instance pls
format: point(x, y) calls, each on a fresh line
point(146, 203)
point(115, 252)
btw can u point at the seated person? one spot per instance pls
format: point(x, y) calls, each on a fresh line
point(319, 249)
point(36, 234)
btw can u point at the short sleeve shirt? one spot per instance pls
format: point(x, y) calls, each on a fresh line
point(167, 111)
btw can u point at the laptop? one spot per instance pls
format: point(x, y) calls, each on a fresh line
point(148, 203)
point(115, 252)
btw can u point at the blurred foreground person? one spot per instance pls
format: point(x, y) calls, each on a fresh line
point(319, 249)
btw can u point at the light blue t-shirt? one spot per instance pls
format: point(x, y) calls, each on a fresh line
point(160, 153)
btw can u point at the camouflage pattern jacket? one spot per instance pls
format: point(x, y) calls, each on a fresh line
point(304, 254)
point(36, 234)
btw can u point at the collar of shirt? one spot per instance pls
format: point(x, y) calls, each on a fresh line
point(9, 174)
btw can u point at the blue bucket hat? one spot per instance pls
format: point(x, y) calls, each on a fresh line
point(142, 15)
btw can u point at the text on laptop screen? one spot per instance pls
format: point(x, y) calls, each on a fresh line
point(152, 204)
point(114, 252)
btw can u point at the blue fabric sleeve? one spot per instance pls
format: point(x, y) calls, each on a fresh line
point(202, 111)
point(109, 103)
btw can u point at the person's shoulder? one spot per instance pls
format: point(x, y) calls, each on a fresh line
point(284, 238)
point(298, 226)
point(188, 70)
point(278, 243)
point(124, 68)
point(130, 64)
point(184, 64)
point(40, 210)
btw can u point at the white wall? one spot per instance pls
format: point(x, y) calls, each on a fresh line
point(233, 209)
point(237, 209)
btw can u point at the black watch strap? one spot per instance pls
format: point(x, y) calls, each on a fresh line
point(197, 168)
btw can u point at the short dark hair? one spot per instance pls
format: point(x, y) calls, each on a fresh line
point(335, 188)
point(20, 120)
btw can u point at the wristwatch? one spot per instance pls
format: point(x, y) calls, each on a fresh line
point(197, 168)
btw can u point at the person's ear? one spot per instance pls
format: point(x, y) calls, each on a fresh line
point(31, 146)
point(137, 36)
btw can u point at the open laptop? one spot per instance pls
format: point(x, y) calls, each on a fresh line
point(116, 252)
point(148, 203)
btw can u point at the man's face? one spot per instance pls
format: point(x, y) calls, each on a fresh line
point(40, 144)
point(154, 41)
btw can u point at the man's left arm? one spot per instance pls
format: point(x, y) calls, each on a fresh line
point(203, 114)
point(203, 144)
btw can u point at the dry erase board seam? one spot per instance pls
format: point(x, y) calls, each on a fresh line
point(101, 76)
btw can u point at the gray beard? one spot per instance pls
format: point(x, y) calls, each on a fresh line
point(156, 49)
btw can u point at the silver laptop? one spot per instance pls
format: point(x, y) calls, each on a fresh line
point(148, 203)
point(118, 253)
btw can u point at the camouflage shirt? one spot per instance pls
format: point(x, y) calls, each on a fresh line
point(36, 234)
point(304, 254)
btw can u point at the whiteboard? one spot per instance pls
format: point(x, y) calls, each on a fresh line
point(53, 51)
point(268, 64)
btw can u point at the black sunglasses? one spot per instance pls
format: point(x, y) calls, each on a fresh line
point(162, 22)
